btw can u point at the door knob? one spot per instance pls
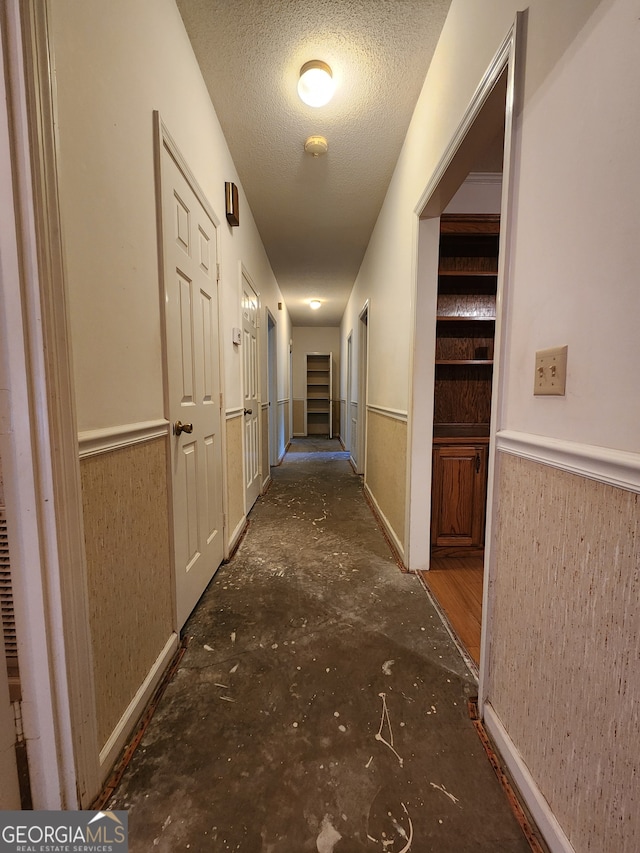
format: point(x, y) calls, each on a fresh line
point(179, 428)
point(248, 411)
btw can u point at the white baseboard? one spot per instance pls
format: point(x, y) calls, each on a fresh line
point(118, 738)
point(236, 535)
point(387, 527)
point(540, 809)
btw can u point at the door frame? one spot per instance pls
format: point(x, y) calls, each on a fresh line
point(364, 319)
point(244, 273)
point(40, 454)
point(272, 386)
point(507, 60)
point(349, 392)
point(164, 139)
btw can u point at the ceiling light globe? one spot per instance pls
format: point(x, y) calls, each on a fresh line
point(315, 304)
point(316, 85)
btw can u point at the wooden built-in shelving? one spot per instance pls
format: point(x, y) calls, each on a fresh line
point(465, 331)
point(318, 399)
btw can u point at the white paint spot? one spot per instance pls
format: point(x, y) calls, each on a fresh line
point(234, 668)
point(386, 667)
point(295, 725)
point(445, 792)
point(328, 836)
point(208, 648)
point(328, 669)
point(368, 764)
point(233, 636)
point(336, 713)
point(274, 645)
point(342, 728)
point(387, 720)
point(166, 823)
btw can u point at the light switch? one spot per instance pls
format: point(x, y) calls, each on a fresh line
point(551, 372)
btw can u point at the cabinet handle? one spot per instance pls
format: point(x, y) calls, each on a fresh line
point(477, 463)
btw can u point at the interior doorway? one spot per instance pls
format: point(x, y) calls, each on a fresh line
point(464, 351)
point(250, 393)
point(348, 403)
point(361, 418)
point(272, 379)
point(482, 144)
point(192, 366)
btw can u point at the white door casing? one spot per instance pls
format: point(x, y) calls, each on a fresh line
point(189, 244)
point(272, 382)
point(251, 397)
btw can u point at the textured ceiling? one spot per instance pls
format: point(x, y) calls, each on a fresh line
point(315, 215)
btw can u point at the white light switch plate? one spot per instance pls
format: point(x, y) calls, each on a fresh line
point(551, 372)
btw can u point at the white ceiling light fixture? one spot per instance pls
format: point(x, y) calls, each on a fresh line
point(316, 84)
point(314, 304)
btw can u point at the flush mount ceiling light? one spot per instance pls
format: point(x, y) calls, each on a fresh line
point(316, 85)
point(315, 304)
point(316, 145)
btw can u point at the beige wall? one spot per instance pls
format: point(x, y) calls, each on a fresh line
point(113, 69)
point(565, 645)
point(126, 522)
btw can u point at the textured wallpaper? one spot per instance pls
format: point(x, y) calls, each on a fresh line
point(565, 646)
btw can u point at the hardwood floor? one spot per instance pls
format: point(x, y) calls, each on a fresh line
point(456, 584)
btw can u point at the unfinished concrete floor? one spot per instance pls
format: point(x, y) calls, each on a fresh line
point(321, 704)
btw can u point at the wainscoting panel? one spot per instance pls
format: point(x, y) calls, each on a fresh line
point(386, 468)
point(235, 485)
point(565, 645)
point(264, 439)
point(126, 523)
point(299, 425)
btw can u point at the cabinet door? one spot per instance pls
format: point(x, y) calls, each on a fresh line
point(459, 495)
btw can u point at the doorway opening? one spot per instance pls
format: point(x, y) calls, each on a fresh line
point(272, 379)
point(455, 356)
point(360, 426)
point(464, 350)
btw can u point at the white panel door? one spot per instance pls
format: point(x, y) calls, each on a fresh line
point(250, 381)
point(193, 378)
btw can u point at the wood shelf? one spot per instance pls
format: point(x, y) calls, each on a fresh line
point(463, 318)
point(468, 273)
point(478, 362)
point(465, 331)
point(318, 397)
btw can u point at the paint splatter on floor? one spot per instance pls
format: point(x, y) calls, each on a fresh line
point(303, 714)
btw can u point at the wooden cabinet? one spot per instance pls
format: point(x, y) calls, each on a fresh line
point(318, 399)
point(465, 331)
point(458, 494)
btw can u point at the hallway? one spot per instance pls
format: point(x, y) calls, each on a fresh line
point(321, 704)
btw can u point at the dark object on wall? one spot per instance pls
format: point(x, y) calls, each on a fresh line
point(231, 203)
